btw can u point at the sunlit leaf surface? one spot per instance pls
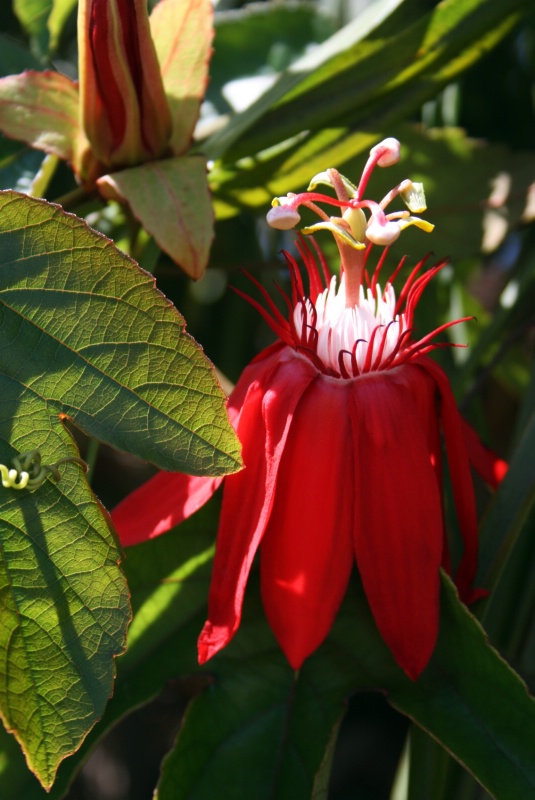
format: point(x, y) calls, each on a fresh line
point(182, 219)
point(182, 34)
point(85, 330)
point(84, 335)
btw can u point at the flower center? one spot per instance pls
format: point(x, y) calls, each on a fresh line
point(354, 339)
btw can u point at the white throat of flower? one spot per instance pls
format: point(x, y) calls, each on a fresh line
point(339, 327)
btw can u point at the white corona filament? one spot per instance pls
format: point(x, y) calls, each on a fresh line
point(339, 327)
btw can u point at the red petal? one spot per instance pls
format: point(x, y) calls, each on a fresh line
point(398, 517)
point(491, 468)
point(461, 479)
point(429, 413)
point(280, 380)
point(171, 497)
point(307, 552)
point(163, 502)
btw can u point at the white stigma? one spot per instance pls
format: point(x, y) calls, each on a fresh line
point(339, 326)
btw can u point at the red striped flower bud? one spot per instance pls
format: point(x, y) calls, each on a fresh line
point(124, 110)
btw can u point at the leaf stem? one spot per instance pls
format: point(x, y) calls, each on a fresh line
point(73, 198)
point(91, 456)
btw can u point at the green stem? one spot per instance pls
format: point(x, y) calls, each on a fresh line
point(73, 198)
point(134, 229)
point(91, 457)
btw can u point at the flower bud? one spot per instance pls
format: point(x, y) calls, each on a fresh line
point(124, 110)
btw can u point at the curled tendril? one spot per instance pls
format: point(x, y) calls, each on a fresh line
point(29, 473)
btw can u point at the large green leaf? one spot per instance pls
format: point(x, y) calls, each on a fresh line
point(507, 550)
point(63, 599)
point(258, 730)
point(84, 335)
point(231, 140)
point(168, 578)
point(472, 702)
point(368, 79)
point(85, 330)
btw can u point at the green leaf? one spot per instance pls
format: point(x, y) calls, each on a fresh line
point(44, 19)
point(428, 766)
point(59, 14)
point(320, 789)
point(368, 79)
point(16, 781)
point(84, 334)
point(182, 219)
point(182, 34)
point(509, 318)
point(168, 579)
point(86, 331)
point(260, 37)
point(33, 14)
point(42, 178)
point(63, 599)
point(259, 731)
point(252, 183)
point(14, 57)
point(41, 109)
point(237, 131)
point(24, 169)
point(245, 718)
point(508, 557)
point(472, 702)
point(19, 166)
point(512, 503)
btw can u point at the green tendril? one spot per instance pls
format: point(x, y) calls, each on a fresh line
point(29, 473)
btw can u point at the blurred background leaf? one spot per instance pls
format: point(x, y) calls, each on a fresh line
point(366, 76)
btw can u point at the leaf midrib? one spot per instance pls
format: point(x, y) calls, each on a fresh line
point(103, 374)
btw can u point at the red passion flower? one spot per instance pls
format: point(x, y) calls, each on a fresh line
point(342, 423)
